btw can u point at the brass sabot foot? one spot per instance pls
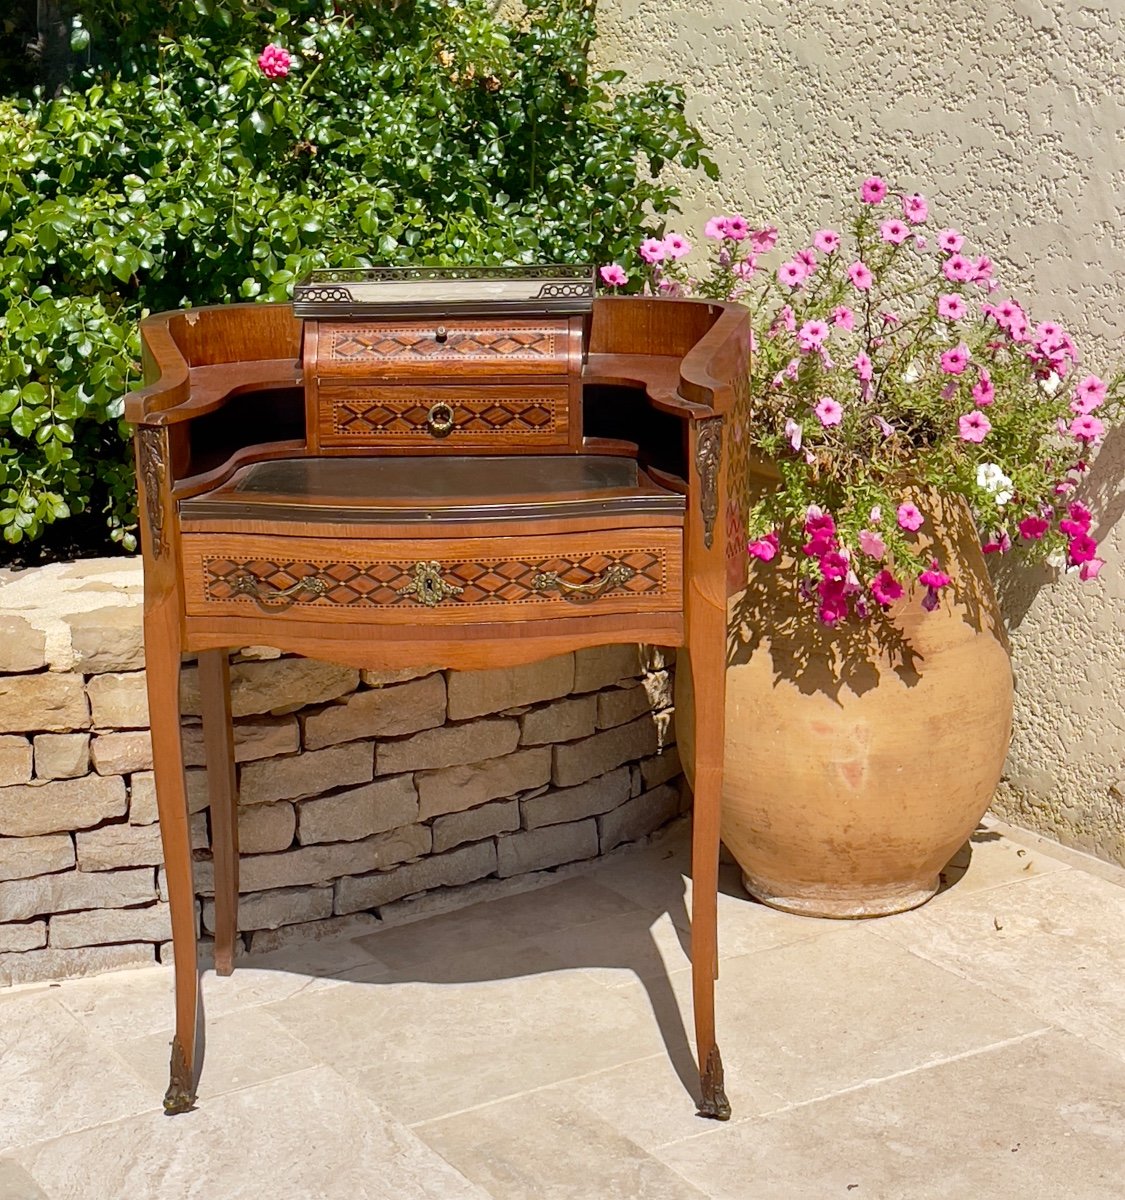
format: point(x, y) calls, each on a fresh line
point(714, 1104)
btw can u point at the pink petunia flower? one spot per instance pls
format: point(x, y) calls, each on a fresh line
point(982, 271)
point(1032, 529)
point(915, 209)
point(794, 433)
point(1087, 429)
point(737, 228)
point(872, 544)
point(765, 548)
point(745, 267)
point(763, 240)
point(1090, 569)
point(792, 273)
point(909, 517)
point(652, 250)
point(957, 269)
point(933, 580)
point(894, 231)
point(1089, 394)
point(952, 306)
point(984, 393)
point(973, 426)
point(863, 367)
point(676, 246)
point(716, 228)
point(826, 240)
point(872, 190)
point(812, 334)
point(886, 588)
point(613, 275)
point(274, 62)
point(1000, 543)
point(843, 317)
point(1082, 549)
point(808, 258)
point(950, 240)
point(833, 565)
point(829, 412)
point(860, 276)
point(954, 362)
point(1081, 516)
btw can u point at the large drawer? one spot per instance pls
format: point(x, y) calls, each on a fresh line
point(436, 581)
point(501, 416)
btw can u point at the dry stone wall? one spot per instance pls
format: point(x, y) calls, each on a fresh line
point(359, 790)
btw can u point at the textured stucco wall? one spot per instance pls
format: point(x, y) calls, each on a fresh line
point(1010, 116)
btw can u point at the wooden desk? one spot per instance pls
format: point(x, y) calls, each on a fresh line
point(576, 499)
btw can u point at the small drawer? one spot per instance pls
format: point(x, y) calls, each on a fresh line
point(440, 581)
point(499, 417)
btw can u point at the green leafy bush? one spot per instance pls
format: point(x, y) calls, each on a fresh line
point(174, 170)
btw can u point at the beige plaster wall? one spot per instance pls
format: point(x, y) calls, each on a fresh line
point(1010, 116)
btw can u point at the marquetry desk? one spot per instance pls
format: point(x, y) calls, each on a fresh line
point(449, 489)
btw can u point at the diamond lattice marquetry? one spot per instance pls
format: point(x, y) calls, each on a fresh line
point(535, 414)
point(522, 344)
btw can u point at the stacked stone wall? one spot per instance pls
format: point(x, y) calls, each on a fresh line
point(359, 790)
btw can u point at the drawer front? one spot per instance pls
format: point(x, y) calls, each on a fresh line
point(500, 417)
point(385, 349)
point(435, 582)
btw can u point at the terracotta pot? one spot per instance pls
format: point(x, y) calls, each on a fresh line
point(859, 759)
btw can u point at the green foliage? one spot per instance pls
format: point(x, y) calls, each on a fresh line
point(173, 171)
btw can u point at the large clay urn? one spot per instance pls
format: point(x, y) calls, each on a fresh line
point(859, 758)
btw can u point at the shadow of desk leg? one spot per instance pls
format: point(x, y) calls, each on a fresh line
point(162, 669)
point(218, 743)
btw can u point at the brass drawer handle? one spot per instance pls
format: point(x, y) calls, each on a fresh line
point(582, 593)
point(271, 599)
point(428, 587)
point(441, 334)
point(440, 420)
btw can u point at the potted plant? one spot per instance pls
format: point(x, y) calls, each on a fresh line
point(903, 420)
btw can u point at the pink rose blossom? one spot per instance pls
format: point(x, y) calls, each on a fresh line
point(860, 276)
point(792, 273)
point(872, 190)
point(765, 548)
point(829, 412)
point(763, 240)
point(915, 209)
point(676, 246)
point(984, 393)
point(1086, 429)
point(894, 231)
point(843, 317)
point(957, 269)
point(613, 275)
point(1082, 549)
point(950, 240)
point(863, 366)
point(716, 228)
point(652, 250)
point(909, 517)
point(274, 62)
point(886, 588)
point(826, 240)
point(737, 228)
point(954, 362)
point(1033, 528)
point(952, 306)
point(973, 426)
point(872, 544)
point(812, 334)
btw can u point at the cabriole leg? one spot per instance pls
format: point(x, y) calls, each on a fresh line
point(218, 742)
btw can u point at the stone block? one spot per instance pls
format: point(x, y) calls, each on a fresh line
point(119, 701)
point(49, 701)
point(266, 941)
point(359, 812)
point(660, 768)
point(115, 846)
point(576, 762)
point(271, 910)
point(266, 828)
point(306, 774)
point(121, 753)
point(433, 748)
point(41, 966)
point(72, 891)
point(283, 685)
point(22, 858)
point(15, 759)
point(31, 935)
point(453, 789)
point(638, 817)
point(476, 824)
point(107, 639)
point(198, 796)
point(602, 666)
point(151, 924)
point(379, 712)
point(395, 675)
point(537, 849)
point(254, 738)
point(474, 693)
point(562, 721)
point(439, 870)
point(142, 799)
point(595, 796)
point(60, 805)
point(62, 755)
point(203, 872)
point(22, 646)
point(316, 864)
point(620, 705)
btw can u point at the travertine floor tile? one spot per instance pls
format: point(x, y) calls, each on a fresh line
point(55, 1077)
point(309, 1136)
point(16, 1183)
point(1042, 1118)
point(543, 1146)
point(990, 860)
point(1055, 946)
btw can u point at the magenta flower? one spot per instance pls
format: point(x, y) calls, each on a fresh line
point(863, 366)
point(954, 362)
point(652, 250)
point(886, 588)
point(763, 240)
point(1081, 516)
point(613, 275)
point(676, 246)
point(812, 334)
point(1090, 569)
point(973, 426)
point(915, 209)
point(957, 269)
point(765, 548)
point(1087, 429)
point(716, 228)
point(933, 580)
point(833, 565)
point(909, 517)
point(737, 228)
point(833, 600)
point(894, 231)
point(952, 306)
point(275, 62)
point(984, 393)
point(1082, 549)
point(826, 240)
point(829, 412)
point(1000, 543)
point(1032, 529)
point(792, 273)
point(872, 544)
point(860, 276)
point(843, 317)
point(872, 190)
point(950, 240)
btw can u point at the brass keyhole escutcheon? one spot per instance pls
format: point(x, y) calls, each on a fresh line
point(440, 420)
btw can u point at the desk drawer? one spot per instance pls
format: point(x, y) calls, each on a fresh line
point(440, 581)
point(498, 416)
